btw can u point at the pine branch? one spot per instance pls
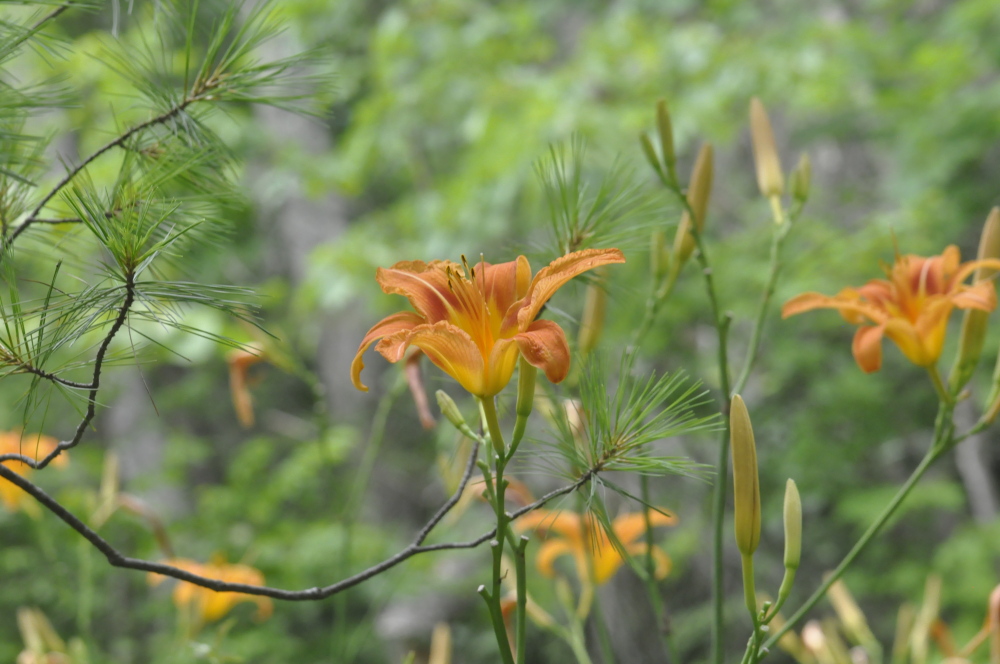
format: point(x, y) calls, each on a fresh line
point(95, 386)
point(116, 559)
point(38, 26)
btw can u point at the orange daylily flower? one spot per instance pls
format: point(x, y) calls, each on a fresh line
point(474, 322)
point(911, 307)
point(208, 605)
point(585, 539)
point(34, 446)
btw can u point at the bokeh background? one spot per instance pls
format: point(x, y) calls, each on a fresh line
point(427, 148)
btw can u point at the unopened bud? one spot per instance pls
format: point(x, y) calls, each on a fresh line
point(592, 322)
point(974, 322)
point(793, 525)
point(453, 414)
point(659, 257)
point(665, 128)
point(525, 398)
point(650, 153)
point(697, 196)
point(746, 487)
point(765, 154)
point(802, 179)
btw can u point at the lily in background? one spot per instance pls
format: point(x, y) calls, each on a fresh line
point(205, 605)
point(568, 533)
point(474, 322)
point(911, 306)
point(35, 446)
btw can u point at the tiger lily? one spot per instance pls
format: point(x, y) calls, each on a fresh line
point(473, 322)
point(32, 446)
point(591, 548)
point(911, 307)
point(207, 605)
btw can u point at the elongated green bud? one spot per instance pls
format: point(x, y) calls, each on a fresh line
point(592, 322)
point(697, 195)
point(650, 153)
point(793, 526)
point(746, 486)
point(793, 539)
point(802, 179)
point(453, 414)
point(659, 257)
point(666, 130)
point(974, 322)
point(526, 374)
point(765, 154)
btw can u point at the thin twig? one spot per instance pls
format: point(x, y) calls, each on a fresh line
point(174, 111)
point(116, 559)
point(95, 385)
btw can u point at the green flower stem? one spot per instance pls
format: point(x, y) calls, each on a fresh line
point(501, 458)
point(658, 295)
point(722, 467)
point(652, 589)
point(578, 642)
point(777, 239)
point(939, 386)
point(522, 598)
point(749, 589)
point(940, 445)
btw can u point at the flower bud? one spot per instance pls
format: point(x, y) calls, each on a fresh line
point(765, 154)
point(453, 414)
point(659, 257)
point(650, 153)
point(697, 195)
point(802, 179)
point(746, 488)
point(592, 322)
point(970, 343)
point(525, 398)
point(793, 526)
point(665, 128)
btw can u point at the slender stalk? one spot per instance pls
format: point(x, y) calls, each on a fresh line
point(522, 599)
point(657, 297)
point(937, 449)
point(489, 410)
point(652, 588)
point(749, 590)
point(578, 642)
point(777, 239)
point(939, 386)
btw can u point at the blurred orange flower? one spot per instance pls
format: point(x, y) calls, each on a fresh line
point(585, 539)
point(240, 360)
point(34, 446)
point(911, 307)
point(207, 605)
point(472, 322)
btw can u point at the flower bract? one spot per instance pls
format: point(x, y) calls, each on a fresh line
point(473, 322)
point(911, 307)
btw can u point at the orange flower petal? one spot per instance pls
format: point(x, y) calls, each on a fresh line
point(543, 521)
point(904, 334)
point(629, 527)
point(504, 284)
point(867, 348)
point(661, 561)
point(544, 345)
point(393, 324)
point(606, 561)
point(981, 296)
point(550, 551)
point(425, 285)
point(550, 278)
point(972, 266)
point(447, 346)
point(845, 303)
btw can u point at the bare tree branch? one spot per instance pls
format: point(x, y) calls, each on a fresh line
point(116, 559)
point(95, 385)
